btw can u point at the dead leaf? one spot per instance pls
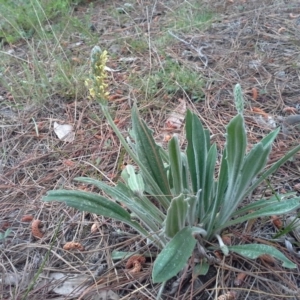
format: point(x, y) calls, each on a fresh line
point(254, 94)
point(68, 284)
point(259, 111)
point(226, 239)
point(35, 229)
point(238, 281)
point(73, 246)
point(27, 218)
point(68, 163)
point(219, 254)
point(135, 262)
point(74, 286)
point(114, 97)
point(94, 228)
point(176, 117)
point(268, 259)
point(64, 132)
point(277, 222)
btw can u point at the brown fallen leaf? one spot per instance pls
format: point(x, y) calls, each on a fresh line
point(238, 281)
point(68, 163)
point(277, 222)
point(268, 259)
point(259, 111)
point(226, 239)
point(27, 218)
point(73, 246)
point(176, 117)
point(35, 229)
point(135, 262)
point(254, 94)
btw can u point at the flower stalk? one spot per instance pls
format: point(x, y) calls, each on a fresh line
point(238, 99)
point(98, 89)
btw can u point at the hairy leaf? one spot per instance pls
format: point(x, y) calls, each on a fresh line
point(174, 256)
point(253, 251)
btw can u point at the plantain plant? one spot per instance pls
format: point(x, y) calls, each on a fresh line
point(174, 198)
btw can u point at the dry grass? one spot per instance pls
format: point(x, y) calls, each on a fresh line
point(255, 43)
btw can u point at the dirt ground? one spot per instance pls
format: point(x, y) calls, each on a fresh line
point(254, 43)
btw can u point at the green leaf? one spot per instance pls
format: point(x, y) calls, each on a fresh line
point(268, 140)
point(94, 203)
point(221, 186)
point(117, 255)
point(254, 162)
point(122, 194)
point(148, 153)
point(148, 214)
point(262, 203)
point(192, 213)
point(197, 148)
point(270, 209)
point(253, 251)
point(201, 269)
point(176, 216)
point(174, 256)
point(176, 165)
point(236, 143)
point(272, 169)
point(209, 188)
point(7, 232)
point(185, 173)
point(134, 181)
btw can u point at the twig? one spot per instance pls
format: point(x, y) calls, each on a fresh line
point(202, 56)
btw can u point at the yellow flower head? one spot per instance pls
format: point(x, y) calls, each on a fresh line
point(97, 84)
